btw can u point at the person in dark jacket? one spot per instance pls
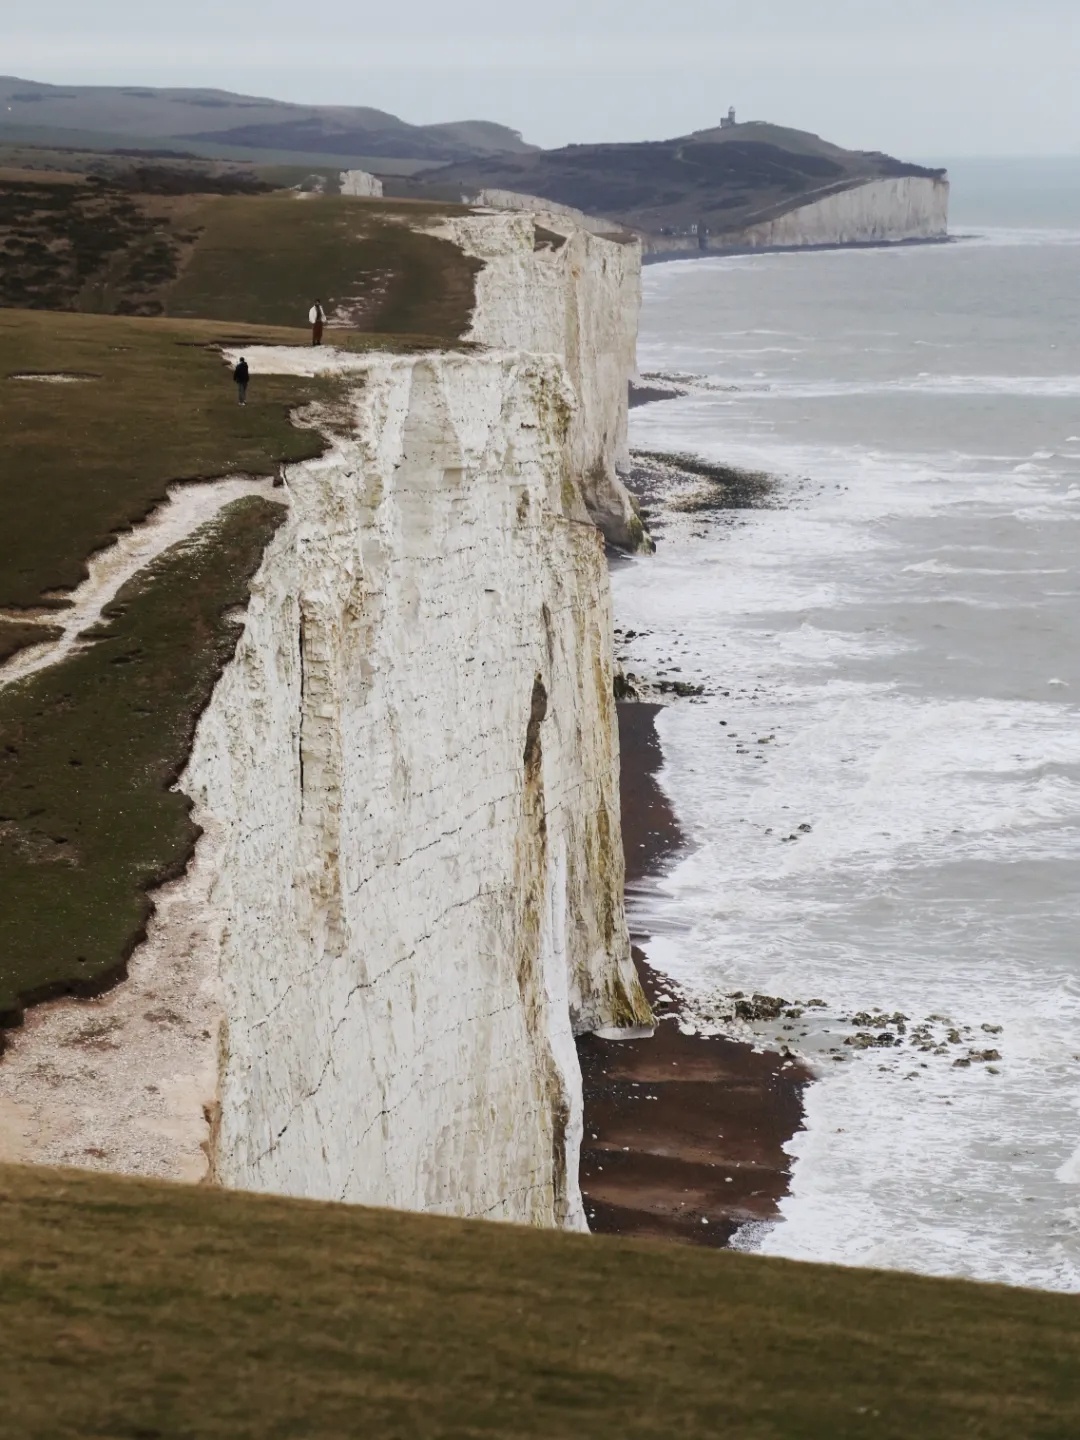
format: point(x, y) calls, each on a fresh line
point(317, 318)
point(241, 375)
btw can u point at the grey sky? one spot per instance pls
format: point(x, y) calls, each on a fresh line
point(917, 77)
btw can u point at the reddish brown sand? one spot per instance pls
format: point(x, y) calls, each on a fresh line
point(683, 1135)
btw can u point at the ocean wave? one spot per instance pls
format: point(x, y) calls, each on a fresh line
point(1051, 387)
point(881, 786)
point(1040, 386)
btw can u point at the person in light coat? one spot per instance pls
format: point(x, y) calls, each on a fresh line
point(317, 318)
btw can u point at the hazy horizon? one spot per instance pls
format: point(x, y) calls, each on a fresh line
point(932, 82)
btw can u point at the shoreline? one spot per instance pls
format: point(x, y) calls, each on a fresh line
point(721, 252)
point(640, 393)
point(684, 1134)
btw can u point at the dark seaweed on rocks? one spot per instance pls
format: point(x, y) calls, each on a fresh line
point(689, 484)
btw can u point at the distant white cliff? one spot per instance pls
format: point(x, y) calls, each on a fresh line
point(409, 894)
point(360, 182)
point(566, 292)
point(874, 212)
point(911, 207)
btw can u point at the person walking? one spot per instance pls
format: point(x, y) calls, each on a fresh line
point(317, 317)
point(241, 375)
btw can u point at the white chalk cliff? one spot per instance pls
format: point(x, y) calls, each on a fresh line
point(537, 205)
point(577, 296)
point(360, 182)
point(910, 207)
point(409, 895)
point(873, 212)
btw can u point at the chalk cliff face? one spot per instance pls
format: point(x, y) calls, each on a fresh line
point(414, 761)
point(537, 205)
point(907, 208)
point(877, 212)
point(360, 182)
point(408, 896)
point(578, 296)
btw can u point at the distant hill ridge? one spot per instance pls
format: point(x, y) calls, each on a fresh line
point(718, 179)
point(223, 120)
point(679, 194)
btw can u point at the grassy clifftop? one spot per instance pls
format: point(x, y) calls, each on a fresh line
point(149, 402)
point(373, 271)
point(98, 416)
point(128, 246)
point(135, 1309)
point(112, 389)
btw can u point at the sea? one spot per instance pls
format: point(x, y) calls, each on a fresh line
point(880, 786)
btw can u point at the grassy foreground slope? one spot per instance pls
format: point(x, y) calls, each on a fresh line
point(131, 1309)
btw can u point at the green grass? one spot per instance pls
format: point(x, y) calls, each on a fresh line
point(80, 462)
point(132, 1309)
point(88, 751)
point(103, 247)
point(89, 747)
point(336, 248)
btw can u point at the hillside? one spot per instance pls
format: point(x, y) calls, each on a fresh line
point(722, 179)
point(137, 1309)
point(133, 246)
point(218, 122)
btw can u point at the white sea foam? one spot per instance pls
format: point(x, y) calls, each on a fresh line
point(1049, 386)
point(902, 639)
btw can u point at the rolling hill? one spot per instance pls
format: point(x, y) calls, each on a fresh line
point(220, 123)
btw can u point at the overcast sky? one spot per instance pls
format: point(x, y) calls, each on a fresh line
point(922, 78)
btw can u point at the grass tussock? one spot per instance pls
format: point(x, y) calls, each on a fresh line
point(135, 1309)
point(16, 635)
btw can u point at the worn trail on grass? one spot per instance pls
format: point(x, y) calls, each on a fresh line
point(187, 509)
